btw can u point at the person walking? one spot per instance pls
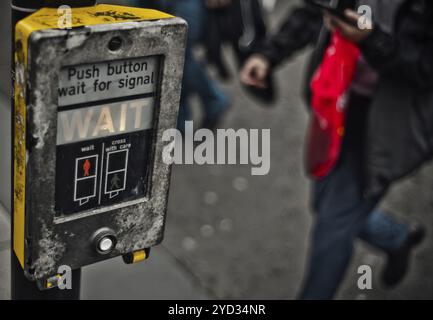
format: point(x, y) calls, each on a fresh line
point(196, 80)
point(384, 133)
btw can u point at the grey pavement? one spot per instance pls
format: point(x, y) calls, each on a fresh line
point(4, 254)
point(160, 277)
point(5, 134)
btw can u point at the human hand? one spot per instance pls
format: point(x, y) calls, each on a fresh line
point(255, 71)
point(350, 30)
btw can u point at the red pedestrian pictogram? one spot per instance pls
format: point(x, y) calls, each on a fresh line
point(87, 167)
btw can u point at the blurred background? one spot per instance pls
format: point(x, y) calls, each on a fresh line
point(231, 235)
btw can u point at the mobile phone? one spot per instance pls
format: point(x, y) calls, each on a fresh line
point(335, 7)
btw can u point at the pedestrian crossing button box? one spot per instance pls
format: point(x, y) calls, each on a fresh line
point(92, 102)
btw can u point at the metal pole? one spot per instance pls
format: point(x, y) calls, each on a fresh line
point(21, 287)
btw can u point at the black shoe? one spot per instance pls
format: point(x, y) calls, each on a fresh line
point(397, 263)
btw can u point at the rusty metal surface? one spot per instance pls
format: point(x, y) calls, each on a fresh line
point(51, 243)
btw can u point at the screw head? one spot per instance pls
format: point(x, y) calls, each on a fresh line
point(115, 44)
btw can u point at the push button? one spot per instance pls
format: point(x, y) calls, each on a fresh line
point(104, 241)
point(106, 244)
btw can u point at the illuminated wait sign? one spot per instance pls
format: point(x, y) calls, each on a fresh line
point(105, 120)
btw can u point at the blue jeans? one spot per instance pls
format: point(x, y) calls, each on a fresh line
point(195, 78)
point(344, 214)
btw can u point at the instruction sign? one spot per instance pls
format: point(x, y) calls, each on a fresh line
point(107, 80)
point(104, 138)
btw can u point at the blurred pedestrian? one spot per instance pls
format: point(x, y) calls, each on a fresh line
point(239, 25)
point(386, 131)
point(196, 79)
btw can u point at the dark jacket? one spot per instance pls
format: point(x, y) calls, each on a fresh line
point(241, 25)
point(399, 134)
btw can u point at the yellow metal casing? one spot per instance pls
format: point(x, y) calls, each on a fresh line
point(47, 19)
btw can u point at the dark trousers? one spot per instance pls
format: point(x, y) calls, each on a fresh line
point(196, 80)
point(344, 214)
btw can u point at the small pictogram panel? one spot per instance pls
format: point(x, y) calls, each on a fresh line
point(116, 173)
point(86, 173)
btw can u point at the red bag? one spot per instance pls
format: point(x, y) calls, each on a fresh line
point(329, 86)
